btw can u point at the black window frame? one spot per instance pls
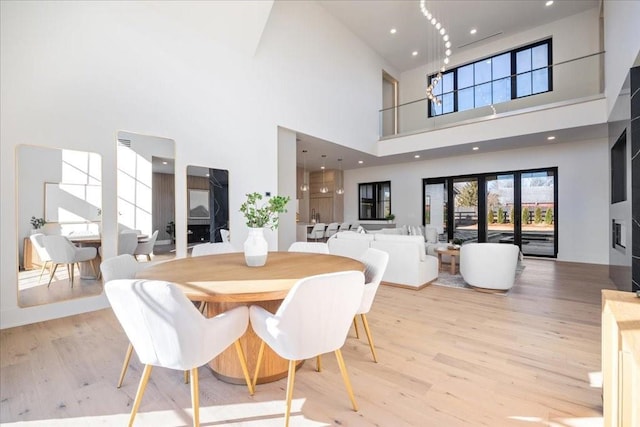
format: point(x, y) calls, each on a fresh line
point(377, 187)
point(514, 88)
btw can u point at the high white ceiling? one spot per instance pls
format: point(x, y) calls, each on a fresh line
point(372, 21)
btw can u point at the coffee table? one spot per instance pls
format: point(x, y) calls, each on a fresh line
point(453, 253)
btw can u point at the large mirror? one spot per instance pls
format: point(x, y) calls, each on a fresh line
point(146, 195)
point(59, 193)
point(207, 205)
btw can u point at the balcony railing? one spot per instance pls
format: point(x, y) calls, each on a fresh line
point(573, 80)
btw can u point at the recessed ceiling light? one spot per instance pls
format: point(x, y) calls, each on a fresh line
point(360, 162)
point(473, 31)
point(551, 138)
point(476, 148)
point(549, 3)
point(417, 156)
point(165, 163)
point(321, 167)
point(414, 53)
point(393, 31)
point(207, 175)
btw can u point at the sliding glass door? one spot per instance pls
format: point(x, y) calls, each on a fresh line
point(516, 207)
point(538, 217)
point(500, 208)
point(435, 206)
point(465, 219)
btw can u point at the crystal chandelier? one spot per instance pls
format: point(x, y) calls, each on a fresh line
point(339, 180)
point(324, 189)
point(447, 52)
point(304, 186)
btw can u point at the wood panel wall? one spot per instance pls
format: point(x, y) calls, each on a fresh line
point(163, 202)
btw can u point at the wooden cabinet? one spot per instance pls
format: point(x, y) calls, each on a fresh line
point(620, 359)
point(329, 205)
point(30, 258)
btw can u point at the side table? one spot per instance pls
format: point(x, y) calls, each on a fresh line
point(453, 253)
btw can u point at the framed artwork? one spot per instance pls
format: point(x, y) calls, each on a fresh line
point(199, 204)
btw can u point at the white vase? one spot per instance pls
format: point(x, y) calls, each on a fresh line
point(256, 248)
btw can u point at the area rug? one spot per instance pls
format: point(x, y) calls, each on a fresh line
point(456, 280)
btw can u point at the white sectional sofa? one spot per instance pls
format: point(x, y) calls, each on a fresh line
point(409, 266)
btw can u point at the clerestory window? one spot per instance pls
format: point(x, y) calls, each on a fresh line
point(516, 74)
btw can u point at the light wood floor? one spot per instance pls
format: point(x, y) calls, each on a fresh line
point(448, 357)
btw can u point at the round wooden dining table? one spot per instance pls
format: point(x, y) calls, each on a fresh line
point(224, 281)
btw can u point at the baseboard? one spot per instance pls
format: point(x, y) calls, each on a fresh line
point(399, 285)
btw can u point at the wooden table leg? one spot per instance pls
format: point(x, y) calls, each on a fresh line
point(226, 366)
point(439, 261)
point(453, 265)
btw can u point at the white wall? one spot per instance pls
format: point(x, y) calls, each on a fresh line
point(573, 37)
point(75, 73)
point(622, 44)
point(583, 190)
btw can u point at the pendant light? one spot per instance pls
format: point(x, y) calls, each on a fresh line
point(339, 180)
point(304, 186)
point(324, 189)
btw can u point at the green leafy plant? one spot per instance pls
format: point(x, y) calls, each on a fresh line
point(457, 241)
point(525, 215)
point(489, 216)
point(548, 216)
point(37, 222)
point(390, 217)
point(537, 216)
point(500, 215)
point(265, 215)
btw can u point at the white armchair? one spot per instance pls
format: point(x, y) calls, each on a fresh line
point(489, 266)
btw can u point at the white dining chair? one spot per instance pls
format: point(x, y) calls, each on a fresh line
point(212, 249)
point(45, 258)
point(332, 229)
point(310, 247)
point(117, 268)
point(375, 262)
point(313, 319)
point(146, 247)
point(344, 226)
point(127, 242)
point(166, 330)
point(317, 232)
point(62, 251)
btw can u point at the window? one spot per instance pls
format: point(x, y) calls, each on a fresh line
point(375, 200)
point(511, 207)
point(516, 74)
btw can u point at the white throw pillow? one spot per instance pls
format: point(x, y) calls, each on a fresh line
point(431, 234)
